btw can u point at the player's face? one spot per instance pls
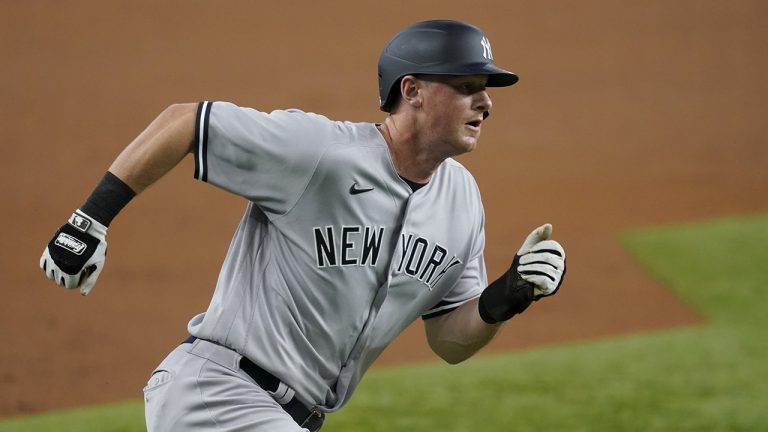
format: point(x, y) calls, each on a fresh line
point(453, 108)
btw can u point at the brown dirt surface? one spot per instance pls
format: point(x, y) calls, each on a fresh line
point(626, 115)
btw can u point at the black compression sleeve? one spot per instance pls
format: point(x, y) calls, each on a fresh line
point(506, 297)
point(109, 197)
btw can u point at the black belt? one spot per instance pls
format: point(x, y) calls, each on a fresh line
point(307, 418)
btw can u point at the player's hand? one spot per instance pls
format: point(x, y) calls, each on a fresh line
point(541, 261)
point(75, 255)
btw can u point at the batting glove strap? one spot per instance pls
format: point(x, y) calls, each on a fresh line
point(506, 297)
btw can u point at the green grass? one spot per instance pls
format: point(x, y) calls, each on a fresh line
point(712, 377)
point(118, 417)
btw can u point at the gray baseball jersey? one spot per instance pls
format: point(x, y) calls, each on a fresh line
point(335, 254)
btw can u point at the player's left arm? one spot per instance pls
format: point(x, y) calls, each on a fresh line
point(459, 334)
point(537, 271)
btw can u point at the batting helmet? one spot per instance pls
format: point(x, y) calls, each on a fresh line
point(437, 47)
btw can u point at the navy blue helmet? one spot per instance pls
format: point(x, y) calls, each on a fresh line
point(437, 47)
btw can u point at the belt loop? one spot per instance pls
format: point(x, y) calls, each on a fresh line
point(283, 394)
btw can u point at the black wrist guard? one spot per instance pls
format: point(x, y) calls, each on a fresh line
point(506, 297)
point(109, 197)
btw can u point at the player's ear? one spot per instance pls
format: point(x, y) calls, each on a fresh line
point(410, 87)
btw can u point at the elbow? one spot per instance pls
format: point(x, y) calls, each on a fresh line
point(450, 353)
point(453, 359)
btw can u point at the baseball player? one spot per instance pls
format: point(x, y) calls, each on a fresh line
point(352, 231)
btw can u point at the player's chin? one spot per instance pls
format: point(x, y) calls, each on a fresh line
point(472, 132)
point(471, 141)
point(467, 144)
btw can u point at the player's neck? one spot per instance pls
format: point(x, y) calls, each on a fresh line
point(413, 159)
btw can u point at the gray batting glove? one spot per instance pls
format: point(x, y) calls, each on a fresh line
point(542, 262)
point(74, 258)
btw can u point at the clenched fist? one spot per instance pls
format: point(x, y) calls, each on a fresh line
point(537, 271)
point(541, 261)
point(75, 256)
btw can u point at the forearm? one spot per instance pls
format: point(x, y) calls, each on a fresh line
point(76, 254)
point(458, 335)
point(159, 148)
point(536, 272)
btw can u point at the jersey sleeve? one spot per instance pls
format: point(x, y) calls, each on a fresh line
point(472, 281)
point(267, 158)
point(470, 286)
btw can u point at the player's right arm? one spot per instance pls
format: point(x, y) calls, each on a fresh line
point(158, 149)
point(75, 255)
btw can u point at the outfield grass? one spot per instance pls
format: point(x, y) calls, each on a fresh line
point(712, 377)
point(118, 417)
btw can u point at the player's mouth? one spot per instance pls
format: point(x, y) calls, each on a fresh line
point(474, 124)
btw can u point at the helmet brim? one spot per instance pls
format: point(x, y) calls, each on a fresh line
point(501, 78)
point(497, 77)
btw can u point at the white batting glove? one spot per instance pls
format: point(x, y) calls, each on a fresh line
point(74, 258)
point(542, 262)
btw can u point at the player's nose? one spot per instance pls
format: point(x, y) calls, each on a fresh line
point(483, 102)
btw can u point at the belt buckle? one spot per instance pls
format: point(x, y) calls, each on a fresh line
point(314, 420)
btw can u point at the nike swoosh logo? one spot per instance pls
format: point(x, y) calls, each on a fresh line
point(354, 190)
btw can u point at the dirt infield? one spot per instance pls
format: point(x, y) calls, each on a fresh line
point(625, 116)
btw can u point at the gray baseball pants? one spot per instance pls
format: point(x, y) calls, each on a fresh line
point(200, 387)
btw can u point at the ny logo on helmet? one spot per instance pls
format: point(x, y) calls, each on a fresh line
point(487, 53)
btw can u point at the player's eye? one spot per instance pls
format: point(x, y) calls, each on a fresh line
point(469, 88)
point(463, 88)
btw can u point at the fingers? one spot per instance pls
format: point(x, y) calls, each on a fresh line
point(87, 285)
point(551, 272)
point(51, 273)
point(539, 234)
point(54, 273)
point(542, 286)
point(85, 278)
point(544, 231)
point(543, 266)
point(45, 264)
point(61, 278)
point(88, 279)
point(548, 246)
point(546, 290)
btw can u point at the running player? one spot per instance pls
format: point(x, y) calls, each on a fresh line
point(352, 231)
